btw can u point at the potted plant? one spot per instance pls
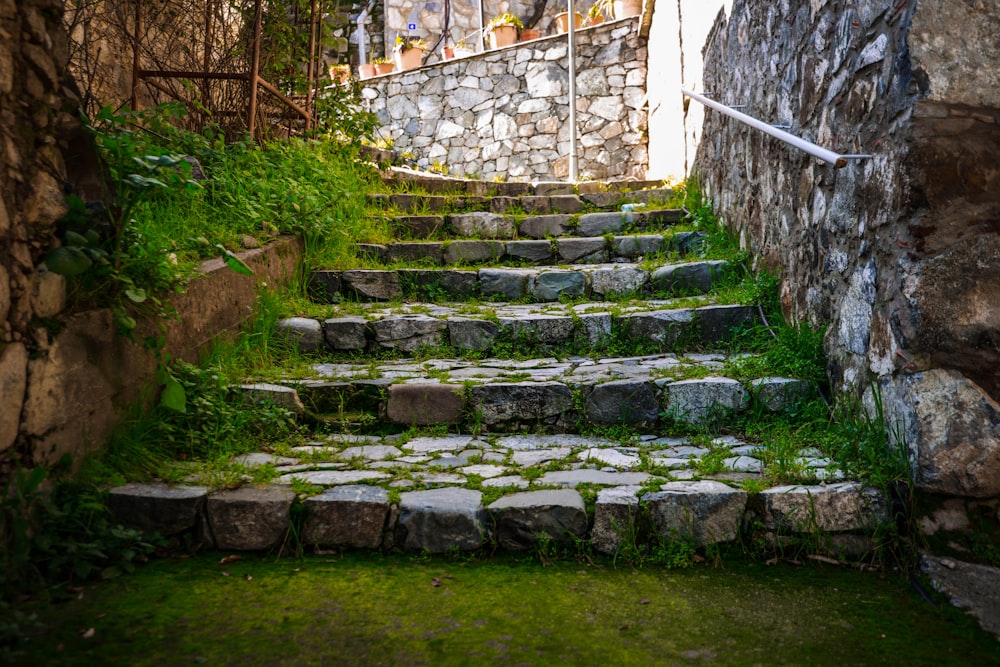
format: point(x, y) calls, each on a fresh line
point(409, 52)
point(458, 49)
point(627, 8)
point(340, 73)
point(366, 70)
point(383, 66)
point(599, 11)
point(528, 34)
point(502, 30)
point(562, 21)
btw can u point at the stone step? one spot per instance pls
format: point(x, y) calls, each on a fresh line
point(438, 514)
point(575, 281)
point(412, 203)
point(486, 225)
point(564, 250)
point(653, 326)
point(402, 178)
point(543, 394)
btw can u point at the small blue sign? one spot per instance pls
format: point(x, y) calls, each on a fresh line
point(411, 26)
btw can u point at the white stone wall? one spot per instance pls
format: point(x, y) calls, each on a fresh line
point(504, 113)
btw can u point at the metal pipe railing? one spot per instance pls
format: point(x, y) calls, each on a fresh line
point(838, 160)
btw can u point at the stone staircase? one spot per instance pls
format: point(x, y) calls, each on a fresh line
point(524, 365)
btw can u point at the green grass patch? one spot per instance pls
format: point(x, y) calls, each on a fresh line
point(366, 609)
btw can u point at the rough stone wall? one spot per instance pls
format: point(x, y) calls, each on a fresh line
point(899, 254)
point(504, 113)
point(35, 116)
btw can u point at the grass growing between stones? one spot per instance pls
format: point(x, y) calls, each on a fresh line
point(401, 610)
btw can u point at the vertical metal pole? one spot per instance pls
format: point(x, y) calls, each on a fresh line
point(573, 167)
point(254, 70)
point(206, 60)
point(313, 66)
point(135, 55)
point(482, 26)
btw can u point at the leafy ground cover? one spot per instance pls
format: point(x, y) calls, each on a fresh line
point(409, 610)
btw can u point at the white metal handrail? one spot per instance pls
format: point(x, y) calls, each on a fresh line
point(838, 160)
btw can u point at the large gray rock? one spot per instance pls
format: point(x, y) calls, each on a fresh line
point(596, 224)
point(485, 225)
point(717, 323)
point(618, 281)
point(346, 333)
point(251, 518)
point(305, 333)
point(440, 520)
point(615, 519)
point(594, 327)
point(509, 284)
point(536, 252)
point(325, 286)
point(435, 283)
point(697, 401)
point(470, 334)
point(584, 250)
point(693, 278)
point(545, 226)
point(157, 508)
point(951, 428)
point(408, 333)
point(263, 393)
point(632, 247)
point(830, 508)
point(472, 252)
point(705, 511)
point(663, 327)
point(541, 329)
point(781, 394)
point(623, 402)
point(525, 405)
point(523, 519)
point(552, 285)
point(425, 404)
point(346, 516)
point(427, 252)
point(372, 285)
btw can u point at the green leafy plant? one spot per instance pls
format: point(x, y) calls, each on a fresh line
point(505, 19)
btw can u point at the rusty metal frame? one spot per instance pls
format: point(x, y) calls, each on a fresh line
point(256, 82)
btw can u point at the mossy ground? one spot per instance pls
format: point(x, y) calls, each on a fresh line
point(402, 610)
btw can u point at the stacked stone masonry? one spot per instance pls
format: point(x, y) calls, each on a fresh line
point(898, 253)
point(504, 113)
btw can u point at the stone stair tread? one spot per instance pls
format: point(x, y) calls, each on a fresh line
point(541, 283)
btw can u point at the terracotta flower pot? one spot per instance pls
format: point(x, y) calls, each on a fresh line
point(384, 68)
point(595, 20)
point(366, 71)
point(409, 59)
point(340, 73)
point(448, 52)
point(503, 35)
point(627, 8)
point(529, 34)
point(562, 22)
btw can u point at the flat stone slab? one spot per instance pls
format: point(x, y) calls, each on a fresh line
point(829, 508)
point(262, 393)
point(599, 477)
point(333, 477)
point(346, 516)
point(157, 508)
point(440, 520)
point(251, 518)
point(704, 511)
point(523, 519)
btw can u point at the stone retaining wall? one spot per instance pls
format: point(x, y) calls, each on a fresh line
point(898, 254)
point(504, 113)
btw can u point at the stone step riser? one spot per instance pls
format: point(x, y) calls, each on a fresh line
point(449, 519)
point(531, 204)
point(402, 179)
point(672, 330)
point(546, 406)
point(579, 281)
point(566, 250)
point(484, 225)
